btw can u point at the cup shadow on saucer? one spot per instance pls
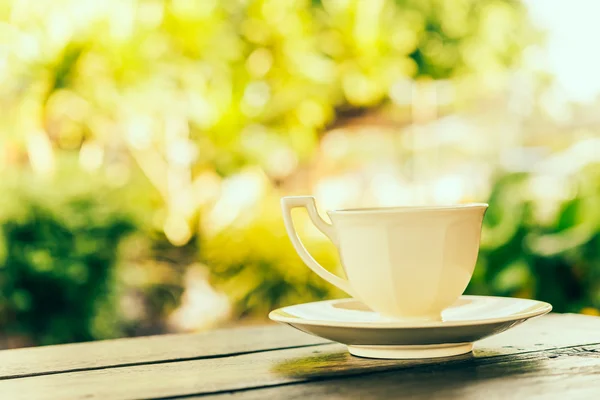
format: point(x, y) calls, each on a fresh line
point(356, 305)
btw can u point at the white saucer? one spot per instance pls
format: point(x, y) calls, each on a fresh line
point(367, 334)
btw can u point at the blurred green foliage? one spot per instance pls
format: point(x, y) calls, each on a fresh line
point(58, 254)
point(249, 80)
point(541, 239)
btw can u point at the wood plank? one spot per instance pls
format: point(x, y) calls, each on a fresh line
point(572, 373)
point(286, 366)
point(151, 349)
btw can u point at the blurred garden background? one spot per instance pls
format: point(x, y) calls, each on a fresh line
point(144, 146)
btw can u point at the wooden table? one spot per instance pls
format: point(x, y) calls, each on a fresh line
point(555, 356)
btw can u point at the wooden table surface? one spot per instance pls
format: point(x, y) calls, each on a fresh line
point(555, 356)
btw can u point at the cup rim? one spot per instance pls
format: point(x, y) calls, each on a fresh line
point(401, 209)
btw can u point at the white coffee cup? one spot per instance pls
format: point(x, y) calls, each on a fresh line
point(404, 262)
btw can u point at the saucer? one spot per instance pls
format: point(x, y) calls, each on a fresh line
point(368, 334)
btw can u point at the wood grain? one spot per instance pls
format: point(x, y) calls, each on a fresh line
point(292, 366)
point(151, 349)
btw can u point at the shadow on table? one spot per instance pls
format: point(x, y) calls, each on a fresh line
point(461, 379)
point(323, 364)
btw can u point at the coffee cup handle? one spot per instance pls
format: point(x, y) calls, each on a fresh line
point(308, 202)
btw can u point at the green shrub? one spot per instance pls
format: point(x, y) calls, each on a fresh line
point(541, 239)
point(58, 251)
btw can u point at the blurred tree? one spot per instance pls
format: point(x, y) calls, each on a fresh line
point(186, 86)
